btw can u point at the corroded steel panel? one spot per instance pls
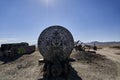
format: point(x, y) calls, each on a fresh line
point(55, 41)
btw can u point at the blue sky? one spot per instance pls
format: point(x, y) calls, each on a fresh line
point(88, 20)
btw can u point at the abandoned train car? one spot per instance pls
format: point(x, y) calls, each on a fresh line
point(12, 49)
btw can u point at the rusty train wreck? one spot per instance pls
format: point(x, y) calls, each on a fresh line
point(13, 49)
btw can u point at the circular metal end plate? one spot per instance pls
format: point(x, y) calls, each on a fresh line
point(55, 42)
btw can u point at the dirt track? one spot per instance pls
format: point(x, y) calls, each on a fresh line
point(114, 55)
point(99, 68)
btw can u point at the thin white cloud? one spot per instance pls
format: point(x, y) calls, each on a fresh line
point(15, 40)
point(2, 41)
point(32, 42)
point(7, 40)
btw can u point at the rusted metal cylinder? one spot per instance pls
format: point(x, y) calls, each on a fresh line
point(55, 42)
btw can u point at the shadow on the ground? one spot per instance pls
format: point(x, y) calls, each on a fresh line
point(71, 76)
point(6, 59)
point(117, 53)
point(88, 56)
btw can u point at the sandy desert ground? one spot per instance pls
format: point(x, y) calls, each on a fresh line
point(102, 65)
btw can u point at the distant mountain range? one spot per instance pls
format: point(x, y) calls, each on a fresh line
point(112, 43)
point(97, 43)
